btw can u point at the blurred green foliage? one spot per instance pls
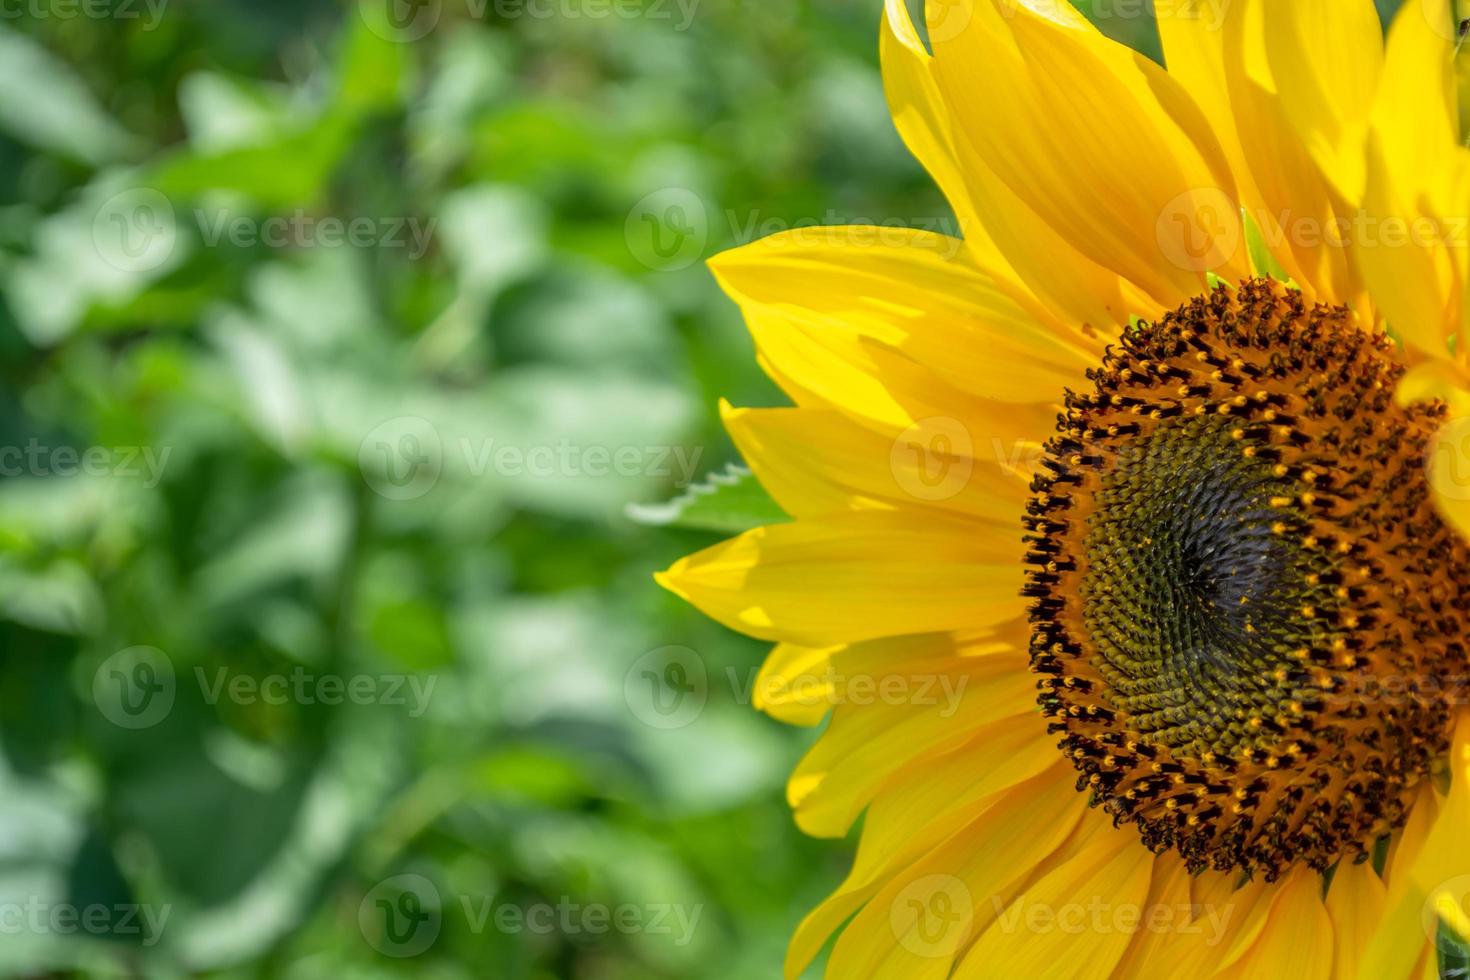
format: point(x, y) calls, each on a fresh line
point(178, 309)
point(175, 300)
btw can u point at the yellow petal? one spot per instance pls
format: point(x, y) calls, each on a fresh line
point(1441, 870)
point(922, 119)
point(919, 293)
point(799, 684)
point(1449, 472)
point(886, 722)
point(1326, 57)
point(917, 924)
point(816, 461)
point(1415, 113)
point(1394, 950)
point(1413, 246)
point(1174, 941)
point(853, 576)
point(1036, 100)
point(1446, 380)
point(1004, 234)
point(1303, 219)
point(1355, 902)
point(1193, 34)
point(1297, 939)
point(935, 800)
point(1075, 922)
point(1408, 253)
point(795, 684)
point(939, 794)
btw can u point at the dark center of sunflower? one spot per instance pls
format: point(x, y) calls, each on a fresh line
point(1246, 610)
point(1192, 601)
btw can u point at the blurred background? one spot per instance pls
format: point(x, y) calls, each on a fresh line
point(350, 356)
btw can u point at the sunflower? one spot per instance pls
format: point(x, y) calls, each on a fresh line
point(1155, 470)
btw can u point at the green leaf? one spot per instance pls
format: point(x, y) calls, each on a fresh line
point(1262, 260)
point(286, 172)
point(1454, 955)
point(730, 501)
point(44, 103)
